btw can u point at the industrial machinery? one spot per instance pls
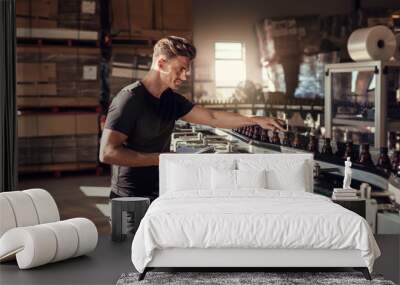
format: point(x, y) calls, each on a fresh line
point(362, 102)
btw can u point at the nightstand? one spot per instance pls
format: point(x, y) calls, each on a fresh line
point(356, 205)
point(126, 214)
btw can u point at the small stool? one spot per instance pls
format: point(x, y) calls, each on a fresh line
point(122, 209)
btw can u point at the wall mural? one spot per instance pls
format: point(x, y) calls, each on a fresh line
point(293, 52)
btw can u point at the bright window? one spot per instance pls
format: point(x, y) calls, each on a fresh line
point(230, 68)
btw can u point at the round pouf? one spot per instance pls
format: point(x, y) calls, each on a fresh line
point(126, 214)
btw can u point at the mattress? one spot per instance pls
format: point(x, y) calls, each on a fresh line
point(251, 219)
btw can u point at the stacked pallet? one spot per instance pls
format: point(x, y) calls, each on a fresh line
point(151, 19)
point(72, 19)
point(58, 84)
point(79, 14)
point(36, 14)
point(57, 76)
point(50, 139)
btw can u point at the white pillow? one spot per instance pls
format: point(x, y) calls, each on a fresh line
point(182, 177)
point(293, 180)
point(223, 179)
point(282, 173)
point(251, 178)
point(226, 179)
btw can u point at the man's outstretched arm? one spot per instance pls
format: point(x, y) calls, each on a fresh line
point(229, 120)
point(112, 151)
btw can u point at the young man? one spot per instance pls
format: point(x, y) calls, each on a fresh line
point(141, 119)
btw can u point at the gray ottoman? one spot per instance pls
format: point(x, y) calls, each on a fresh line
point(126, 214)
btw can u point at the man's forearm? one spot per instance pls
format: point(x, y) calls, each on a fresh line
point(126, 157)
point(230, 120)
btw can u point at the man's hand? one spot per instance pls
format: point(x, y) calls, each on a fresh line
point(229, 120)
point(269, 123)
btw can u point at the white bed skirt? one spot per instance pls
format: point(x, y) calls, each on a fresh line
point(193, 257)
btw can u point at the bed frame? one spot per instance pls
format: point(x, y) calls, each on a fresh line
point(246, 258)
point(243, 259)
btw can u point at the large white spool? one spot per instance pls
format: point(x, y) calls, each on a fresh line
point(374, 43)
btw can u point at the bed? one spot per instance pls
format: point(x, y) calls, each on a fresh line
point(247, 210)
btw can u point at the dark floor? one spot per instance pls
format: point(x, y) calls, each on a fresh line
point(77, 196)
point(102, 266)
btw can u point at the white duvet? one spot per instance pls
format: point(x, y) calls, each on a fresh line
point(250, 219)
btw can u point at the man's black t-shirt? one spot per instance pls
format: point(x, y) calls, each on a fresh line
point(148, 122)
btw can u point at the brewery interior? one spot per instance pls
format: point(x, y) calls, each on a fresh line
point(337, 91)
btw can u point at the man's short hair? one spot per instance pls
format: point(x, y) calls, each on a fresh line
point(173, 46)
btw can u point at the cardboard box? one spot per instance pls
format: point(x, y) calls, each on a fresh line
point(37, 8)
point(41, 142)
point(87, 124)
point(80, 14)
point(27, 126)
point(23, 22)
point(87, 154)
point(45, 8)
point(22, 8)
point(87, 101)
point(56, 124)
point(44, 155)
point(132, 15)
point(64, 141)
point(24, 143)
point(65, 154)
point(34, 89)
point(87, 141)
point(47, 72)
point(120, 15)
point(75, 69)
point(141, 14)
point(173, 14)
point(27, 72)
point(32, 72)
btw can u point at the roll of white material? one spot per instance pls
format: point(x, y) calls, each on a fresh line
point(397, 51)
point(45, 205)
point(374, 43)
point(87, 234)
point(67, 239)
point(23, 207)
point(33, 246)
point(40, 244)
point(7, 218)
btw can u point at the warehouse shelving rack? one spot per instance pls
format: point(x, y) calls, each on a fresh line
point(41, 105)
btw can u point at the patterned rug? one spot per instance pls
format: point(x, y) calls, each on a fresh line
point(243, 278)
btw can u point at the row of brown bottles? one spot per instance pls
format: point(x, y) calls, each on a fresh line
point(274, 100)
point(311, 143)
point(257, 133)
